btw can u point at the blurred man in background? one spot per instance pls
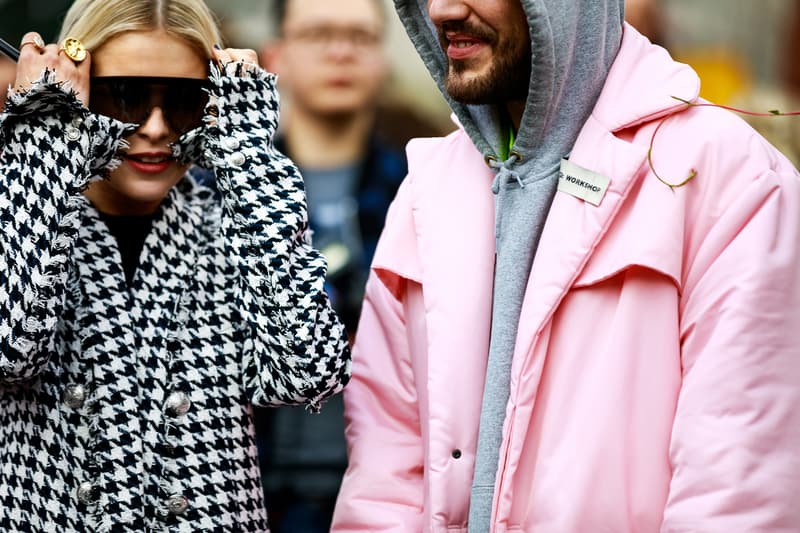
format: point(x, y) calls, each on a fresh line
point(331, 64)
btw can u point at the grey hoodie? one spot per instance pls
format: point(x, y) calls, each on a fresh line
point(573, 44)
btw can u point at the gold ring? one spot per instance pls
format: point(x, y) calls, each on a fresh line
point(36, 41)
point(74, 49)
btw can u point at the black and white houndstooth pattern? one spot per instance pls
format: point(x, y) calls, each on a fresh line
point(129, 410)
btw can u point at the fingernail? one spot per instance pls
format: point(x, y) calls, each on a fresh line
point(217, 46)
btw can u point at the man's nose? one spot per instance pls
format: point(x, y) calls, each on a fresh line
point(341, 46)
point(445, 10)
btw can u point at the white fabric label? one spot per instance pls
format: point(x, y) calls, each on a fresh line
point(582, 183)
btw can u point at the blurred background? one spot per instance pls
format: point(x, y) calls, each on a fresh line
point(745, 50)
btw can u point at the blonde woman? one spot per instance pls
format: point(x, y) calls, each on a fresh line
point(142, 314)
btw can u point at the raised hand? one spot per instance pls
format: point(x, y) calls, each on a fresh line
point(231, 55)
point(35, 56)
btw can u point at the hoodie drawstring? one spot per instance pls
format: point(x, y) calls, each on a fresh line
point(504, 172)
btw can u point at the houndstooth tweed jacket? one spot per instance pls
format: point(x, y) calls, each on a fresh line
point(129, 409)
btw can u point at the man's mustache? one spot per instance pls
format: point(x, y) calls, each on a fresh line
point(467, 28)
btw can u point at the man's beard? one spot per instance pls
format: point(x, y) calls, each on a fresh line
point(507, 79)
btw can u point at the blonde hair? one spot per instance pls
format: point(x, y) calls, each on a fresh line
point(94, 22)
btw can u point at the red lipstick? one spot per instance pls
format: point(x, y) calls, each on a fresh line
point(149, 162)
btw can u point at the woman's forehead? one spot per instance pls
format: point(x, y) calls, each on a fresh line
point(148, 53)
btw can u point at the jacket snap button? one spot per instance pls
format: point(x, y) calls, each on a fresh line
point(73, 134)
point(456, 454)
point(231, 143)
point(74, 396)
point(87, 492)
point(177, 503)
point(237, 159)
point(177, 404)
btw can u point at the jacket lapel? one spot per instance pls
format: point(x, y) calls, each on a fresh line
point(574, 227)
point(639, 88)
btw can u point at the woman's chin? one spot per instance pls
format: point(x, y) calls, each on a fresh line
point(131, 193)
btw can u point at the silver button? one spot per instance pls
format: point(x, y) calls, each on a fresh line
point(86, 492)
point(177, 404)
point(74, 396)
point(77, 123)
point(231, 143)
point(177, 504)
point(73, 134)
point(237, 159)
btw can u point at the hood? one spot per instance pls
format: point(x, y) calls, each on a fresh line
point(573, 44)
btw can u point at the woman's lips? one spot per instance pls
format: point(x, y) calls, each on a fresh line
point(149, 163)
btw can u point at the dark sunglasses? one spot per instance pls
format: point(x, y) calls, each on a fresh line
point(132, 99)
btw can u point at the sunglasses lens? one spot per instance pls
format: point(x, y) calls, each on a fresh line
point(132, 99)
point(185, 102)
point(119, 99)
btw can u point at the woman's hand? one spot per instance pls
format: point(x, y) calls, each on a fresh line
point(34, 58)
point(232, 55)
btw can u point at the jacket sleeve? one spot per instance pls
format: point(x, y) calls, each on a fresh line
point(735, 448)
point(50, 147)
point(297, 351)
point(383, 488)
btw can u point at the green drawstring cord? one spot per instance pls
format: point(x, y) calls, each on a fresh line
point(506, 150)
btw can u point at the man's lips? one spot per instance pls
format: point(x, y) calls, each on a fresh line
point(340, 82)
point(463, 46)
point(150, 162)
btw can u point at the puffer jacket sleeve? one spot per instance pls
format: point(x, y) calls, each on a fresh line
point(383, 488)
point(735, 449)
point(298, 352)
point(51, 146)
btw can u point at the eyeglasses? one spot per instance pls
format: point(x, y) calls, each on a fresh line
point(322, 36)
point(132, 99)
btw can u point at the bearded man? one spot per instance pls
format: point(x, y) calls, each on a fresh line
point(583, 311)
